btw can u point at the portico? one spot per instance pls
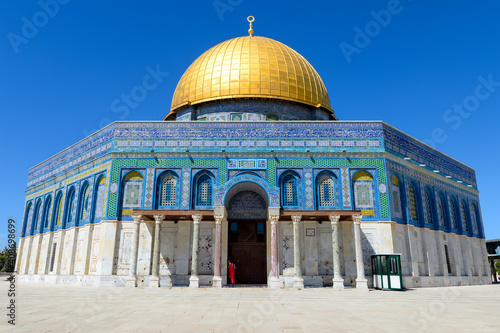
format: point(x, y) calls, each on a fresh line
point(276, 270)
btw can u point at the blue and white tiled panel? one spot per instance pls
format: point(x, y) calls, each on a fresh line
point(90, 148)
point(159, 134)
point(350, 145)
point(407, 146)
point(435, 180)
point(58, 169)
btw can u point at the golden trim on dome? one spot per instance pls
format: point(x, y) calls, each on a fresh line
point(250, 67)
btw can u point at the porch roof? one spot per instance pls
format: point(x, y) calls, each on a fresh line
point(208, 215)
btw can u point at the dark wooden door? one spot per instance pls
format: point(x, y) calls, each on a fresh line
point(247, 249)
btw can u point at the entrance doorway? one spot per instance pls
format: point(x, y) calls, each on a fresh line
point(247, 249)
point(247, 212)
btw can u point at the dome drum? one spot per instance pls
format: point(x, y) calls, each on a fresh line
point(250, 110)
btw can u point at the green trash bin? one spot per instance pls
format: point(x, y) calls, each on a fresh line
point(387, 271)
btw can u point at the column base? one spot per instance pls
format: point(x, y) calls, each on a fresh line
point(194, 282)
point(131, 282)
point(166, 281)
point(273, 282)
point(361, 284)
point(298, 283)
point(338, 284)
point(217, 282)
point(154, 281)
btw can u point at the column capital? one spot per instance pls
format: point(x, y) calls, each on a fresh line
point(159, 218)
point(137, 218)
point(274, 219)
point(196, 218)
point(296, 218)
point(357, 219)
point(334, 218)
point(218, 219)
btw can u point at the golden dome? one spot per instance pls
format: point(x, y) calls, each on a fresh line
point(250, 67)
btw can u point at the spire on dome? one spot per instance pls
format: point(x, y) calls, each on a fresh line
point(250, 19)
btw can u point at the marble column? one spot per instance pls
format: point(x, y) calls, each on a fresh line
point(155, 270)
point(361, 283)
point(298, 281)
point(338, 281)
point(493, 275)
point(194, 280)
point(20, 251)
point(61, 235)
point(132, 275)
point(274, 280)
point(217, 280)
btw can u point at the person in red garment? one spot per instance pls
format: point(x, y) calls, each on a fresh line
point(232, 270)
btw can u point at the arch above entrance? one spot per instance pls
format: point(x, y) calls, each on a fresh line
point(247, 183)
point(248, 205)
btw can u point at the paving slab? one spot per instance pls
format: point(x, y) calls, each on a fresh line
point(56, 308)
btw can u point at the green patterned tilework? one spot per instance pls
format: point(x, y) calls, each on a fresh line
point(271, 169)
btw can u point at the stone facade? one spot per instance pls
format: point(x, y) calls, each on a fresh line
point(250, 165)
point(97, 249)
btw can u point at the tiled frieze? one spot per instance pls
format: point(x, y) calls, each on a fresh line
point(405, 145)
point(92, 147)
point(151, 135)
point(357, 136)
point(423, 178)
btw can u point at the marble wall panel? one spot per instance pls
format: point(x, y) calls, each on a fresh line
point(168, 244)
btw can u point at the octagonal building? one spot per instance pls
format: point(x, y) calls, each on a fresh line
point(252, 166)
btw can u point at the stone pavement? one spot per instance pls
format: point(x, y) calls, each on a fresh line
point(55, 308)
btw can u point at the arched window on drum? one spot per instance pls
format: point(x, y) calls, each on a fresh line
point(442, 216)
point(413, 199)
point(28, 215)
point(132, 192)
point(167, 190)
point(397, 199)
point(364, 195)
point(290, 190)
point(37, 216)
point(429, 206)
point(69, 207)
point(326, 190)
point(475, 219)
point(453, 213)
point(204, 191)
point(57, 211)
point(100, 199)
point(84, 204)
point(46, 212)
point(463, 214)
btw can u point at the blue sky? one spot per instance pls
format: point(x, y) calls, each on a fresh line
point(415, 64)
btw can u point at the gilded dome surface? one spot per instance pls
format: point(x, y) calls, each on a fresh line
point(250, 67)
